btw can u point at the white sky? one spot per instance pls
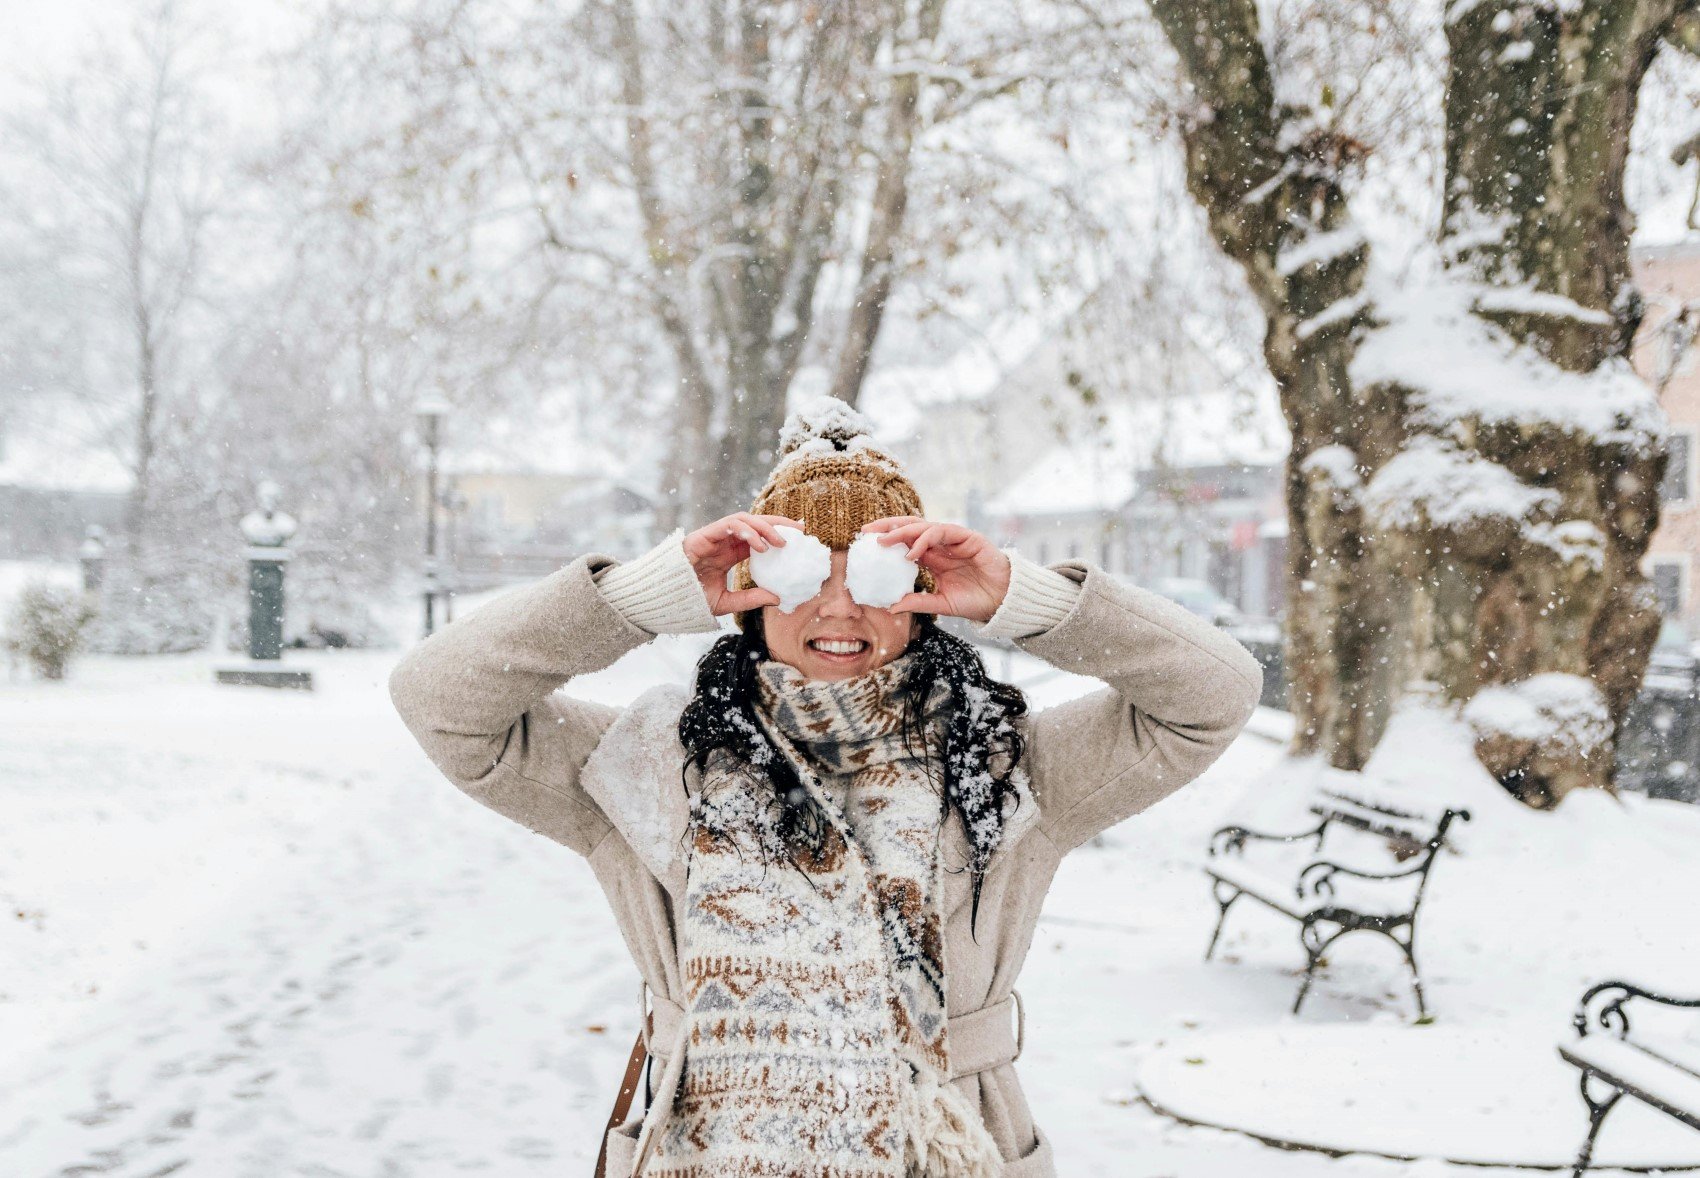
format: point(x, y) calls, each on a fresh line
point(47, 35)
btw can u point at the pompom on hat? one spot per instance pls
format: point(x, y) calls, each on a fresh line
point(833, 478)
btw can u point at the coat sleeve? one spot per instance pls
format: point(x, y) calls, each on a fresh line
point(480, 695)
point(1179, 692)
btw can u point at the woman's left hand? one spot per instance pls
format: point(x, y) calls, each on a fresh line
point(970, 576)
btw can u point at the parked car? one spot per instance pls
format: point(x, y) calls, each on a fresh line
point(1199, 598)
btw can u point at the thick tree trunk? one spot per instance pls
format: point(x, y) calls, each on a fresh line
point(1448, 537)
point(1538, 117)
point(1271, 187)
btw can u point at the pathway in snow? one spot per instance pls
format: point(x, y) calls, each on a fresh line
point(346, 968)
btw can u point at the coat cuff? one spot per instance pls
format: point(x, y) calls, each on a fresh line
point(659, 591)
point(1038, 598)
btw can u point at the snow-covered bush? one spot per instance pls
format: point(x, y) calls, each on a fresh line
point(155, 613)
point(47, 626)
point(1532, 733)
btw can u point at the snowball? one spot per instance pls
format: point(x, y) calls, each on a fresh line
point(878, 574)
point(794, 572)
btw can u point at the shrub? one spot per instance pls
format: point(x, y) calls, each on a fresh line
point(47, 626)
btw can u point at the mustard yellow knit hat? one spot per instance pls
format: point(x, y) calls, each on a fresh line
point(833, 478)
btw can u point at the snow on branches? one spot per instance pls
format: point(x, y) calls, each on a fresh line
point(1456, 365)
point(1432, 483)
point(1336, 468)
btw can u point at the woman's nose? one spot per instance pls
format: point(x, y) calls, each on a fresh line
point(835, 599)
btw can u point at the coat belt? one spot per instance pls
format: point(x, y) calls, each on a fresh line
point(979, 1040)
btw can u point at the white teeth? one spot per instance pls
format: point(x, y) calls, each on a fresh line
point(839, 647)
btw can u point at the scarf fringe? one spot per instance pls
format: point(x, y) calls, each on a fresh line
point(946, 1138)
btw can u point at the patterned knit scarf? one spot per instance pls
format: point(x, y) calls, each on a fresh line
point(816, 1039)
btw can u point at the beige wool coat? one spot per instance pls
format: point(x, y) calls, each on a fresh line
point(480, 697)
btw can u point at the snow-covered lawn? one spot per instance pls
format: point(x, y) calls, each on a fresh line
point(255, 933)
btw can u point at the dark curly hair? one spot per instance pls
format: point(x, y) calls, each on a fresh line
point(979, 727)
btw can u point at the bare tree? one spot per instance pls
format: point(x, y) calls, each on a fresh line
point(732, 178)
point(118, 165)
point(1475, 467)
point(797, 108)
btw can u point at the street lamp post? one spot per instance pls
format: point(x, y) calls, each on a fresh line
point(454, 502)
point(431, 410)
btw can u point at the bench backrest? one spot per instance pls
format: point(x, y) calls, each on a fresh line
point(1674, 1037)
point(1401, 819)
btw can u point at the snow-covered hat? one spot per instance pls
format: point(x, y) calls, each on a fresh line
point(835, 479)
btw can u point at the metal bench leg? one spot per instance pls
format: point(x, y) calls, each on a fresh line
point(1408, 945)
point(1597, 1110)
point(1221, 919)
point(1315, 945)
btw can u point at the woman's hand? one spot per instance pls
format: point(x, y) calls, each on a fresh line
point(970, 576)
point(714, 548)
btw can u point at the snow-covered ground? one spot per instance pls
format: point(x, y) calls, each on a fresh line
point(255, 933)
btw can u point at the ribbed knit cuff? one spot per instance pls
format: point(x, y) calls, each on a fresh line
point(659, 591)
point(1038, 598)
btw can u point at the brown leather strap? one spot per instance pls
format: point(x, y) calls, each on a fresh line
point(623, 1102)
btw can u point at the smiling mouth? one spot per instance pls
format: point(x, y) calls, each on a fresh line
point(841, 651)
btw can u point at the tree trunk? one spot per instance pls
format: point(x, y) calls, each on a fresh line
point(1474, 471)
point(738, 308)
point(885, 226)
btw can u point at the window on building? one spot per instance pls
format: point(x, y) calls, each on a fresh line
point(1073, 548)
point(1104, 554)
point(1667, 583)
point(1678, 488)
point(1044, 552)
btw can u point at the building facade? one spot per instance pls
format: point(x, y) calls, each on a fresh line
point(1667, 355)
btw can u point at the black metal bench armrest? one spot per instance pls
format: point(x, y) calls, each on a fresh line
point(1317, 878)
point(1233, 838)
point(1602, 1006)
point(1327, 867)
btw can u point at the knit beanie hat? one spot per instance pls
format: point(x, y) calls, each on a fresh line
point(831, 476)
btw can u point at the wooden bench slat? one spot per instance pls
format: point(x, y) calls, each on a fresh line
point(1400, 808)
point(1276, 893)
point(1679, 1053)
point(1373, 822)
point(1669, 1088)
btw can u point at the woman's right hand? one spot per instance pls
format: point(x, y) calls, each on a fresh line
point(715, 548)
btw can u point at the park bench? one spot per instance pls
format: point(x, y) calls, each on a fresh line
point(1331, 897)
point(1659, 1068)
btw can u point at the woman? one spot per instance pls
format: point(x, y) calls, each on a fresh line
point(828, 857)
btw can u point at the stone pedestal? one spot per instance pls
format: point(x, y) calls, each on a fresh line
point(259, 674)
point(268, 531)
